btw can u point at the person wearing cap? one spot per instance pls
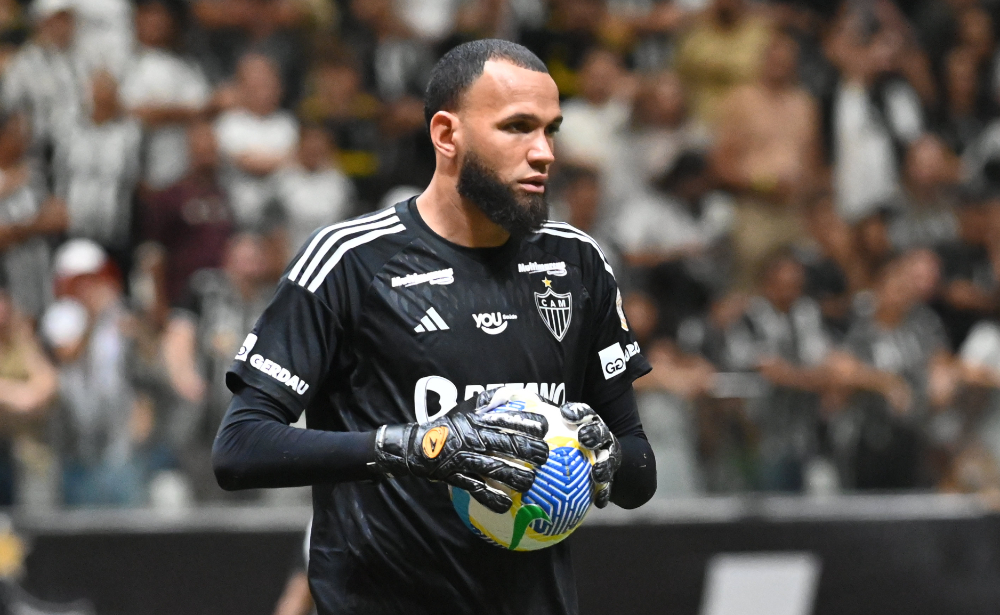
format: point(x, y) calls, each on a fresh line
point(100, 439)
point(45, 76)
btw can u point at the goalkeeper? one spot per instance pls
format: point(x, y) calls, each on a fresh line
point(391, 329)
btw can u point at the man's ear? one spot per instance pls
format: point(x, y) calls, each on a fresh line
point(445, 131)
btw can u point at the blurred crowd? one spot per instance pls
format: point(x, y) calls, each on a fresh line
point(801, 200)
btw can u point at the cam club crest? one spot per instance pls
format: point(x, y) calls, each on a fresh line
point(556, 310)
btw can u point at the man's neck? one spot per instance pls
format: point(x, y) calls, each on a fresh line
point(456, 219)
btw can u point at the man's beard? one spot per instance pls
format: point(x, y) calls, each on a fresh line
point(518, 215)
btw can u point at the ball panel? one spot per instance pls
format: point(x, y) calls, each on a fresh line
point(562, 488)
point(557, 502)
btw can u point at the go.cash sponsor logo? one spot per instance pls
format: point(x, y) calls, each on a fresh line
point(493, 323)
point(279, 373)
point(613, 358)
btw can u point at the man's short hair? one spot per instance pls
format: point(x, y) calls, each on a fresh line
point(460, 67)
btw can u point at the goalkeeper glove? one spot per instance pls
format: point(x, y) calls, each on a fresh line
point(594, 434)
point(462, 449)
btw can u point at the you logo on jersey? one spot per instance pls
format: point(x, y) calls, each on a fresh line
point(493, 323)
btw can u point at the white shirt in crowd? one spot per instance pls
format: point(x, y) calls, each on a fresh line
point(865, 173)
point(156, 77)
point(653, 222)
point(26, 264)
point(96, 170)
point(645, 154)
point(589, 132)
point(240, 132)
point(105, 34)
point(46, 82)
point(429, 19)
point(312, 199)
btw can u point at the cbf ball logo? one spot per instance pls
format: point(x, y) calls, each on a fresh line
point(558, 500)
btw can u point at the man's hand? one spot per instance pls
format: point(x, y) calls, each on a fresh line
point(462, 449)
point(595, 435)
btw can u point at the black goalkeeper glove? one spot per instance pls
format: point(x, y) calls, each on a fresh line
point(594, 434)
point(462, 449)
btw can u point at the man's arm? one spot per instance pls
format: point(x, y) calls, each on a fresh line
point(257, 447)
point(635, 481)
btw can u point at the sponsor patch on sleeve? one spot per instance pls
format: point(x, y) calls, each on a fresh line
point(279, 373)
point(247, 346)
point(612, 360)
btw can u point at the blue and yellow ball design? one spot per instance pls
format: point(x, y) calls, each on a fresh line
point(557, 502)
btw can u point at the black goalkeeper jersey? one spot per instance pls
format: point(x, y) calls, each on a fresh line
point(379, 320)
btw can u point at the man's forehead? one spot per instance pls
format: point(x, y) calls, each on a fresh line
point(507, 89)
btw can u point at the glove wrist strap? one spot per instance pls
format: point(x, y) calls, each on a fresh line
point(392, 443)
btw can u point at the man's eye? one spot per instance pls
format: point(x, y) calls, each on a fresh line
point(520, 127)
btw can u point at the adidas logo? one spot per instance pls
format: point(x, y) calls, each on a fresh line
point(431, 321)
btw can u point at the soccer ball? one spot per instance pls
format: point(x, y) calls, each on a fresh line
point(557, 502)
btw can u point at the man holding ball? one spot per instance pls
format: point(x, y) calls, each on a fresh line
point(393, 328)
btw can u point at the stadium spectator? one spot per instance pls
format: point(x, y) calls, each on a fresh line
point(312, 190)
point(192, 219)
point(676, 236)
point(203, 336)
point(969, 97)
point(831, 263)
point(230, 29)
point(659, 131)
point(256, 139)
point(100, 427)
point(163, 90)
point(968, 268)
point(594, 121)
point(723, 49)
point(28, 384)
point(781, 336)
point(105, 35)
point(96, 170)
point(13, 29)
point(572, 29)
point(579, 203)
point(395, 66)
point(168, 418)
point(45, 78)
point(768, 153)
point(726, 437)
point(873, 245)
point(903, 368)
point(926, 214)
point(666, 398)
point(27, 220)
point(350, 115)
point(876, 110)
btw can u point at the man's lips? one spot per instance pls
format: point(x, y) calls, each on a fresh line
point(534, 184)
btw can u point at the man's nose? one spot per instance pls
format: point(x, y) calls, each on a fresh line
point(541, 154)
